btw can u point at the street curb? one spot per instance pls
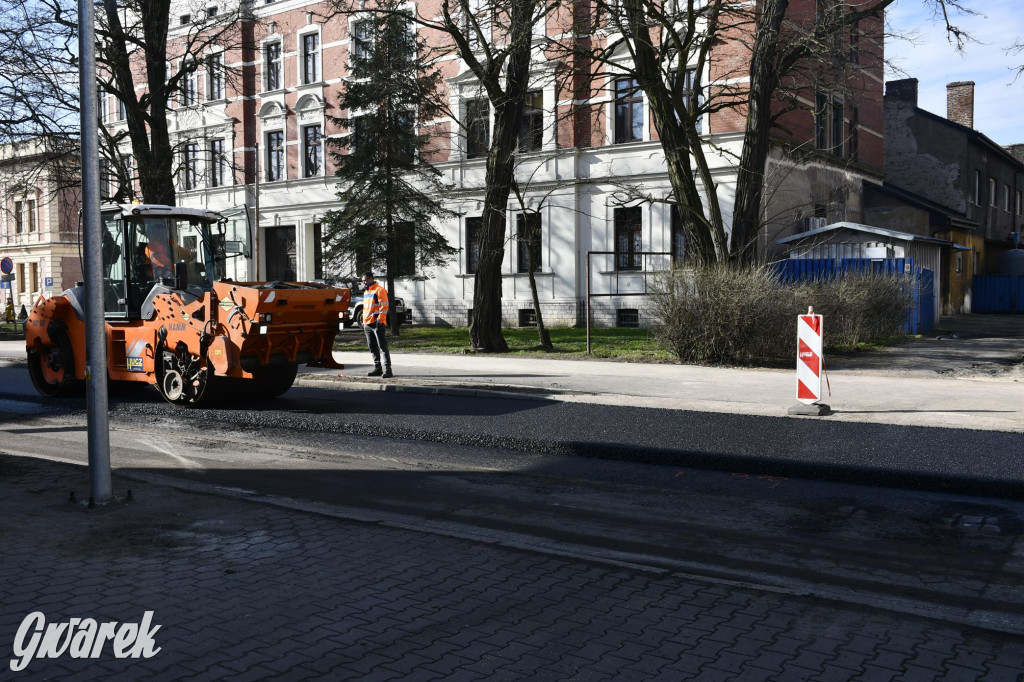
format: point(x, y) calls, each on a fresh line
point(346, 383)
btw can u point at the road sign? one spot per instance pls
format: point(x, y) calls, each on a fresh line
point(6, 278)
point(48, 282)
point(809, 330)
point(6, 265)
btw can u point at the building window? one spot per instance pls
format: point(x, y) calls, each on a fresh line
point(473, 228)
point(855, 43)
point(823, 11)
point(678, 238)
point(310, 58)
point(628, 238)
point(828, 14)
point(405, 256)
point(480, 10)
point(629, 111)
point(692, 99)
point(30, 214)
point(406, 120)
point(854, 150)
point(478, 127)
point(362, 39)
point(19, 220)
point(359, 135)
point(122, 111)
point(992, 192)
point(531, 129)
point(191, 165)
point(106, 180)
point(528, 233)
point(33, 270)
point(218, 163)
point(828, 124)
point(275, 156)
point(101, 102)
point(977, 188)
point(1020, 207)
point(214, 77)
point(128, 173)
point(272, 65)
point(1006, 198)
point(188, 84)
point(313, 153)
point(527, 317)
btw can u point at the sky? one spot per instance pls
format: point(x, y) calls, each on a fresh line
point(998, 100)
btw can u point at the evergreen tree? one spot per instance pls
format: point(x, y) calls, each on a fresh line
point(389, 193)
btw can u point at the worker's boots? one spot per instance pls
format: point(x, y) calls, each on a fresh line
point(387, 373)
point(377, 371)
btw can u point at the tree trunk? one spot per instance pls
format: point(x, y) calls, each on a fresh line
point(706, 241)
point(485, 330)
point(154, 154)
point(757, 136)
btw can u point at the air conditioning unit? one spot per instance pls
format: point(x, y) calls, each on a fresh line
point(815, 223)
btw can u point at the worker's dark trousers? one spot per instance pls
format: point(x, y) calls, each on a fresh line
point(377, 340)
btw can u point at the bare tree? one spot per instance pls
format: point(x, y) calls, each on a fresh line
point(137, 42)
point(39, 88)
point(495, 41)
point(39, 91)
point(669, 46)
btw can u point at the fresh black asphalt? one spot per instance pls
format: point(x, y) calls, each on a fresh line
point(965, 461)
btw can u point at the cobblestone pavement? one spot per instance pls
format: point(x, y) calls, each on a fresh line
point(247, 591)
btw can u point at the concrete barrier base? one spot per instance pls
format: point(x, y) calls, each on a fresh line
point(813, 410)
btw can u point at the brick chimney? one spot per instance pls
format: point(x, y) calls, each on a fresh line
point(960, 103)
point(904, 90)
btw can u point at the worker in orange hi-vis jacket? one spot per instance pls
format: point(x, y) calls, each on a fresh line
point(375, 324)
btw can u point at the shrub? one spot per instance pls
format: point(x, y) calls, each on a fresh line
point(727, 314)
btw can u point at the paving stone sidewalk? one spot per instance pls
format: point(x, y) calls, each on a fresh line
point(248, 591)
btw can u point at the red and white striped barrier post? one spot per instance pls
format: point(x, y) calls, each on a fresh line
point(810, 362)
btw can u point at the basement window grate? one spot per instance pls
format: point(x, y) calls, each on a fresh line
point(627, 317)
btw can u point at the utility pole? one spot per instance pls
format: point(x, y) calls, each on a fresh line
point(95, 332)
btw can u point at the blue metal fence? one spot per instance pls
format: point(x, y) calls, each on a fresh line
point(997, 294)
point(805, 270)
point(920, 315)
